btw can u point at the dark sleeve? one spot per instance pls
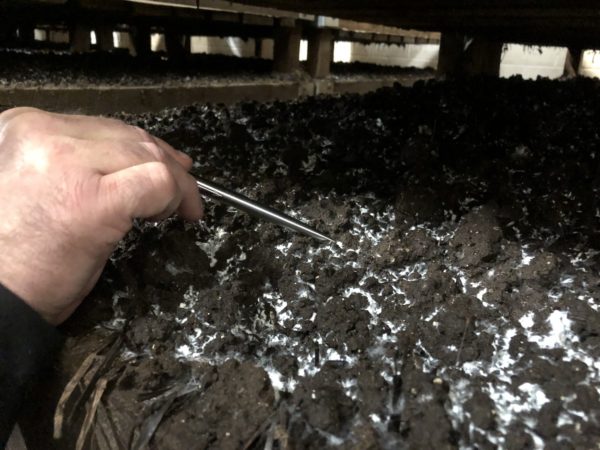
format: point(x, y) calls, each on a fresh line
point(28, 345)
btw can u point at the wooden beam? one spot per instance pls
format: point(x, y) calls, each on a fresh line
point(80, 38)
point(258, 48)
point(176, 44)
point(140, 35)
point(26, 33)
point(320, 48)
point(286, 52)
point(104, 37)
point(226, 5)
point(460, 55)
point(363, 27)
point(450, 59)
point(483, 57)
point(551, 22)
point(572, 62)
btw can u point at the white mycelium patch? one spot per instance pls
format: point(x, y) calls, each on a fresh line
point(522, 404)
point(560, 334)
point(545, 328)
point(526, 258)
point(211, 246)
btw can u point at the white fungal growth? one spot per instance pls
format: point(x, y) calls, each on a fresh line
point(278, 328)
point(172, 269)
point(560, 334)
point(212, 245)
point(527, 320)
point(536, 398)
point(526, 258)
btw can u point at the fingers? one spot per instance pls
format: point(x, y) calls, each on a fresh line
point(108, 157)
point(191, 206)
point(185, 160)
point(146, 191)
point(143, 167)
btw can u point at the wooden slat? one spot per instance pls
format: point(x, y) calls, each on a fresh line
point(529, 21)
point(222, 5)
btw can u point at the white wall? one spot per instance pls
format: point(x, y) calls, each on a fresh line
point(58, 36)
point(231, 46)
point(122, 39)
point(40, 35)
point(531, 62)
point(303, 50)
point(516, 59)
point(157, 42)
point(409, 55)
point(590, 63)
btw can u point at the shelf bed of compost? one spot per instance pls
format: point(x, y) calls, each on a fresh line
point(47, 68)
point(459, 306)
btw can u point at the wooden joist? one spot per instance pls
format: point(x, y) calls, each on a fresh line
point(559, 22)
point(286, 49)
point(553, 22)
point(223, 5)
point(320, 52)
point(460, 55)
point(210, 17)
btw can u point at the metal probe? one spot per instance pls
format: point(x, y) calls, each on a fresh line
point(243, 203)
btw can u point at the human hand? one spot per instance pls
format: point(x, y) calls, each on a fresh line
point(70, 187)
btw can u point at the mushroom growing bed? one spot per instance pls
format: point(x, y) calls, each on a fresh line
point(457, 308)
point(47, 69)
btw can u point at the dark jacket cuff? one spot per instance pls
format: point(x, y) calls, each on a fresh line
point(28, 346)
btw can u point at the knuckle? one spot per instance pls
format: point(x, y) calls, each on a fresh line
point(156, 151)
point(14, 112)
point(111, 122)
point(24, 120)
point(164, 179)
point(31, 115)
point(34, 127)
point(143, 135)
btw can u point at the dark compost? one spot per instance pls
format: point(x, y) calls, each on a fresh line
point(459, 306)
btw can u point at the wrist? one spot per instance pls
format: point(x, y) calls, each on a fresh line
point(20, 304)
point(23, 288)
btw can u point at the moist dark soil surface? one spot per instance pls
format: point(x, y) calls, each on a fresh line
point(458, 307)
point(33, 68)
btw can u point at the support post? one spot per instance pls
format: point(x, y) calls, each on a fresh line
point(483, 57)
point(320, 48)
point(286, 54)
point(140, 35)
point(450, 57)
point(187, 44)
point(461, 56)
point(258, 48)
point(573, 62)
point(175, 43)
point(80, 38)
point(6, 35)
point(26, 34)
point(104, 37)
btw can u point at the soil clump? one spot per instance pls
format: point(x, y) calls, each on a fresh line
point(459, 306)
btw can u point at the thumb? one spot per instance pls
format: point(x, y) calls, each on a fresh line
point(142, 191)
